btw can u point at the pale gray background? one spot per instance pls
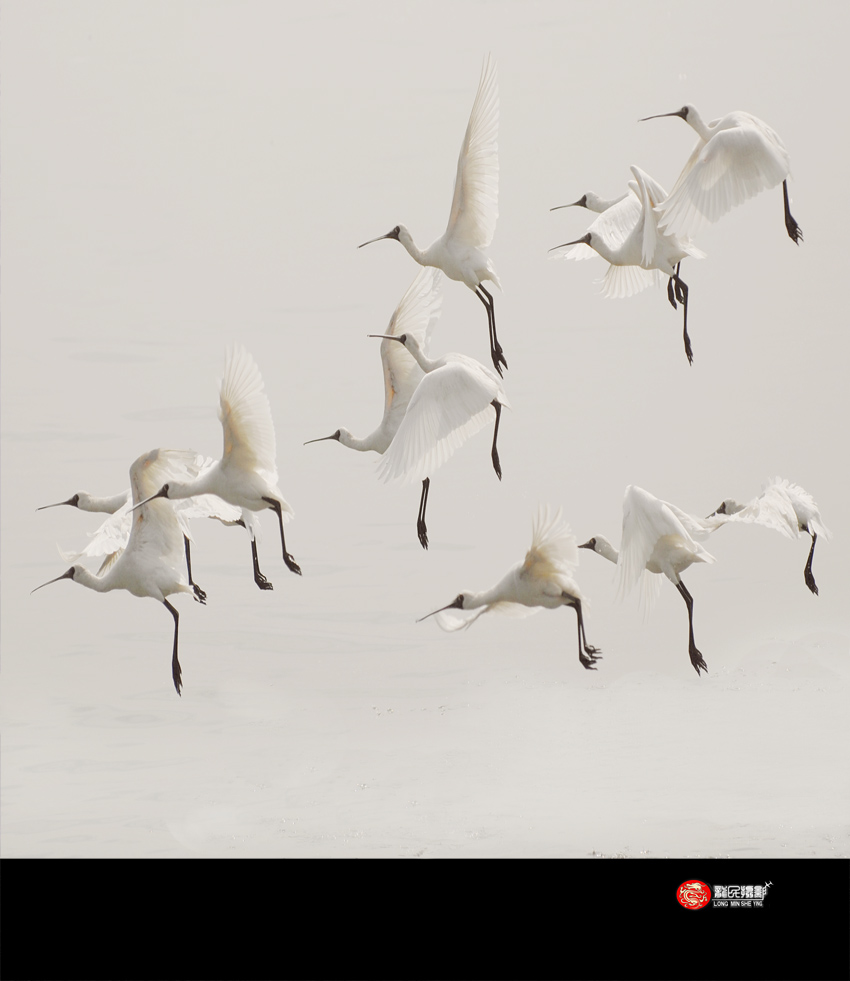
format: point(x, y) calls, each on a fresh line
point(180, 175)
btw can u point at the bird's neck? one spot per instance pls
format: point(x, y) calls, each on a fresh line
point(370, 442)
point(100, 584)
point(107, 505)
point(414, 251)
point(607, 551)
point(472, 601)
point(697, 123)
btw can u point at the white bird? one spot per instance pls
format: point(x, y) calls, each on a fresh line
point(450, 404)
point(736, 157)
point(627, 235)
point(111, 537)
point(657, 537)
point(543, 579)
point(415, 315)
point(785, 507)
point(460, 250)
point(246, 474)
point(152, 562)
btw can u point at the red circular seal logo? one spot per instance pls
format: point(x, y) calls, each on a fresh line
point(693, 894)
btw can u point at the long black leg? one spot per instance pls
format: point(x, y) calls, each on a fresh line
point(176, 673)
point(421, 529)
point(807, 574)
point(291, 564)
point(200, 595)
point(682, 294)
point(593, 653)
point(795, 233)
point(496, 352)
point(259, 578)
point(695, 656)
point(497, 466)
point(670, 296)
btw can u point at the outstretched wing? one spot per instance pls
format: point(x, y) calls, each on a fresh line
point(475, 205)
point(450, 404)
point(246, 417)
point(733, 166)
point(416, 314)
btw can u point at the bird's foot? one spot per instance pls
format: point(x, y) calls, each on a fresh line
point(200, 595)
point(689, 350)
point(670, 294)
point(697, 660)
point(497, 466)
point(681, 295)
point(810, 580)
point(422, 532)
point(593, 655)
point(262, 582)
point(291, 564)
point(498, 357)
point(795, 233)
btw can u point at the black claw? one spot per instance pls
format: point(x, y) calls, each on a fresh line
point(698, 661)
point(200, 595)
point(262, 582)
point(291, 564)
point(810, 581)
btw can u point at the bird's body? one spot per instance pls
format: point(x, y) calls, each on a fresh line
point(784, 507)
point(657, 538)
point(451, 403)
point(627, 235)
point(460, 252)
point(736, 157)
point(544, 579)
point(246, 475)
point(151, 564)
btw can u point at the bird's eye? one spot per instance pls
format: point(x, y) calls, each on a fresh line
point(592, 543)
point(403, 338)
point(459, 600)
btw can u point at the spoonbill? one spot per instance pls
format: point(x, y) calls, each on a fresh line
point(627, 234)
point(543, 579)
point(415, 315)
point(246, 474)
point(736, 157)
point(657, 538)
point(450, 404)
point(785, 507)
point(459, 251)
point(113, 534)
point(151, 563)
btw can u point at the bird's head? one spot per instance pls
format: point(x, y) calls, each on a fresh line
point(727, 507)
point(395, 233)
point(408, 340)
point(73, 501)
point(72, 573)
point(456, 604)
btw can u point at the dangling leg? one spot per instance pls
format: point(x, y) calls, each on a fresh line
point(807, 574)
point(200, 595)
point(287, 558)
point(176, 673)
point(421, 529)
point(496, 352)
point(695, 656)
point(682, 294)
point(591, 652)
point(670, 296)
point(259, 578)
point(795, 233)
point(495, 453)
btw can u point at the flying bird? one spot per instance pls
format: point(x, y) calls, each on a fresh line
point(626, 233)
point(736, 157)
point(450, 404)
point(544, 579)
point(246, 475)
point(151, 564)
point(460, 250)
point(785, 507)
point(658, 538)
point(415, 315)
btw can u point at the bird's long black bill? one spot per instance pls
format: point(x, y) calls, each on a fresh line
point(451, 606)
point(65, 575)
point(661, 115)
point(584, 240)
point(386, 337)
point(378, 239)
point(160, 493)
point(581, 203)
point(59, 504)
point(319, 440)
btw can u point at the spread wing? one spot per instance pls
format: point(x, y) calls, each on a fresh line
point(475, 205)
point(246, 417)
